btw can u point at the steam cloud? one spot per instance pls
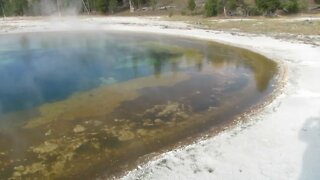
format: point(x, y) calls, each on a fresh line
point(56, 7)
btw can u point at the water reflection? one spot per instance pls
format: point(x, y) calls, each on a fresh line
point(91, 102)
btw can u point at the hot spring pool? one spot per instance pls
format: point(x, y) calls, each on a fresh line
point(87, 104)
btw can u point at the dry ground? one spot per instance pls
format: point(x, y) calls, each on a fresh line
point(304, 28)
point(304, 24)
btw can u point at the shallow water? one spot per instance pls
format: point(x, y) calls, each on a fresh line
point(88, 104)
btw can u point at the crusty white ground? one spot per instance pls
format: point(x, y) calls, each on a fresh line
point(281, 142)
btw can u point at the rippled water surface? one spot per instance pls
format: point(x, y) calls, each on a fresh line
point(89, 104)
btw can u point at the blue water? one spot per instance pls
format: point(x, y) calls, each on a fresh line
point(42, 68)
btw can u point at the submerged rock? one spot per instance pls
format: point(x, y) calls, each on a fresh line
point(97, 123)
point(96, 145)
point(147, 122)
point(142, 132)
point(79, 129)
point(48, 133)
point(31, 169)
point(170, 111)
point(158, 121)
point(93, 122)
point(19, 168)
point(125, 135)
point(46, 147)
